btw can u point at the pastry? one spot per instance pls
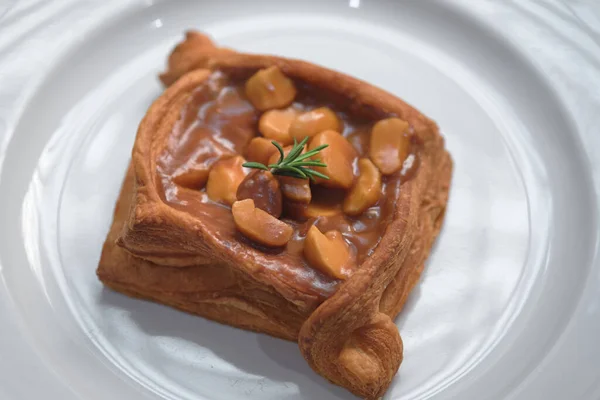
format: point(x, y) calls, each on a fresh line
point(317, 238)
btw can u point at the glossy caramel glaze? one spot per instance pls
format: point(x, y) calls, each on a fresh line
point(219, 122)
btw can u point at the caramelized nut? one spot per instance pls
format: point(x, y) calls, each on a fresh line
point(315, 210)
point(360, 141)
point(312, 122)
point(192, 178)
point(295, 189)
point(295, 211)
point(339, 157)
point(206, 152)
point(366, 189)
point(270, 88)
point(327, 252)
point(224, 178)
point(260, 226)
point(325, 202)
point(263, 188)
point(390, 143)
point(297, 196)
point(275, 125)
point(260, 150)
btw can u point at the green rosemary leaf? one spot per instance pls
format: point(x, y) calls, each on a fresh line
point(321, 147)
point(309, 164)
point(295, 164)
point(280, 149)
point(252, 164)
point(311, 153)
point(318, 174)
point(296, 150)
point(299, 171)
point(284, 172)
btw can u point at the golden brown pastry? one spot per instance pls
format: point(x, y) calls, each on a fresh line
point(331, 263)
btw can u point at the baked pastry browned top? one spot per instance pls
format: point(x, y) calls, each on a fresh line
point(318, 237)
point(200, 171)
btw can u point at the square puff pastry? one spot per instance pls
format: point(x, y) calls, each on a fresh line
point(156, 252)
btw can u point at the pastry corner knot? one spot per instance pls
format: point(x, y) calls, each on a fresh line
point(365, 361)
point(371, 356)
point(195, 52)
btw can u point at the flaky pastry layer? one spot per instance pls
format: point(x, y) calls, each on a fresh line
point(158, 253)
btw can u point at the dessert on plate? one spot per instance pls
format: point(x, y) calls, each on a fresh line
point(281, 197)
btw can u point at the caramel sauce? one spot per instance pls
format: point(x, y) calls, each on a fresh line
point(218, 122)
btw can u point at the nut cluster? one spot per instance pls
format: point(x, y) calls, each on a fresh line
point(298, 149)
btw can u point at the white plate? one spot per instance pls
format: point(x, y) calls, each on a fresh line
point(509, 305)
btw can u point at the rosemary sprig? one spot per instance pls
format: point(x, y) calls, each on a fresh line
point(295, 164)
